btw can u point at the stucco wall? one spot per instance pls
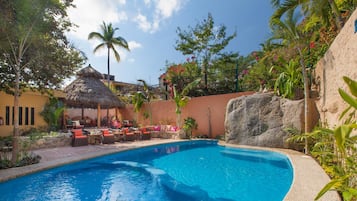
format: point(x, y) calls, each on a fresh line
point(28, 99)
point(340, 60)
point(208, 111)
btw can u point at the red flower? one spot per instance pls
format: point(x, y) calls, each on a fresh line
point(312, 44)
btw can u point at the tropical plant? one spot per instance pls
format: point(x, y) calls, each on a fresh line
point(148, 95)
point(181, 98)
point(189, 125)
point(52, 112)
point(291, 36)
point(289, 81)
point(335, 149)
point(138, 101)
point(316, 11)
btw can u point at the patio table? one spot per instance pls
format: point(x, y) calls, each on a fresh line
point(118, 135)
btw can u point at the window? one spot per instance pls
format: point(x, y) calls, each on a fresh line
point(26, 116)
point(13, 115)
point(32, 116)
point(20, 115)
point(7, 118)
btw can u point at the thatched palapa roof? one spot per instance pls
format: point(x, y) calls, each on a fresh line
point(88, 91)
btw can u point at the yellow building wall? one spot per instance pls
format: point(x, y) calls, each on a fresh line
point(28, 100)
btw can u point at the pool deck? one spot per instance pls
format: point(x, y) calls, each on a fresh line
point(309, 177)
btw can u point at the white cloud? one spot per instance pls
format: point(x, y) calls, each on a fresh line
point(89, 15)
point(147, 2)
point(166, 8)
point(134, 45)
point(143, 23)
point(122, 2)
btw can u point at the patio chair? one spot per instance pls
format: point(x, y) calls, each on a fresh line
point(108, 138)
point(145, 133)
point(129, 135)
point(78, 139)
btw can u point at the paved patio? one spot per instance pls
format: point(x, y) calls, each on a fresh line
point(309, 177)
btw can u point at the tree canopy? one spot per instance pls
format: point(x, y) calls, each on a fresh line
point(34, 51)
point(33, 44)
point(206, 43)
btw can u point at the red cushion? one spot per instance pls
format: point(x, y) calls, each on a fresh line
point(108, 134)
point(77, 132)
point(105, 132)
point(82, 136)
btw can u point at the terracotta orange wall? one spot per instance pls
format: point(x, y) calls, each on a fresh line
point(203, 109)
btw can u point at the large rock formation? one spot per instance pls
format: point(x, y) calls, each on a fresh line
point(260, 120)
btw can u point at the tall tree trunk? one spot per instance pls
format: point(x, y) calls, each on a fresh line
point(108, 79)
point(178, 120)
point(306, 99)
point(16, 134)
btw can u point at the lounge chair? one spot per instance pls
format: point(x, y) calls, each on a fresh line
point(129, 135)
point(78, 139)
point(108, 138)
point(145, 133)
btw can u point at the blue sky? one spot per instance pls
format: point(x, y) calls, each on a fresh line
point(150, 27)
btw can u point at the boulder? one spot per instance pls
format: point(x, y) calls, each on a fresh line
point(260, 120)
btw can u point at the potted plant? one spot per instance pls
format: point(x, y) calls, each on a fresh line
point(189, 125)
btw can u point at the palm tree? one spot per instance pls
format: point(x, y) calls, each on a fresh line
point(109, 41)
point(148, 95)
point(289, 34)
point(320, 9)
point(181, 98)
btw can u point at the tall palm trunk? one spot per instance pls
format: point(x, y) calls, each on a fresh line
point(306, 99)
point(108, 80)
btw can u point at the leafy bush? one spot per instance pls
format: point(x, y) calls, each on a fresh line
point(189, 124)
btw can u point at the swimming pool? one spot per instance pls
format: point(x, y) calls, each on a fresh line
point(193, 170)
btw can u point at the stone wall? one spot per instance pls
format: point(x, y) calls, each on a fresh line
point(340, 60)
point(63, 139)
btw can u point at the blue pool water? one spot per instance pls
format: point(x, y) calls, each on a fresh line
point(184, 171)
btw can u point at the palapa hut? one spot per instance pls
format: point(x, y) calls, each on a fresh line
point(88, 91)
